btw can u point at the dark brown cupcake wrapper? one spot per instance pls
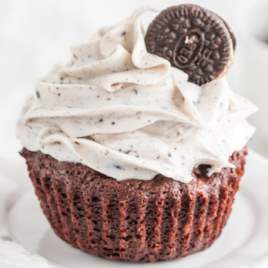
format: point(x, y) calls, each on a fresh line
point(134, 220)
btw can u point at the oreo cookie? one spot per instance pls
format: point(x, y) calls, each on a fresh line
point(194, 40)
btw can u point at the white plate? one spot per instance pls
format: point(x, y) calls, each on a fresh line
point(243, 243)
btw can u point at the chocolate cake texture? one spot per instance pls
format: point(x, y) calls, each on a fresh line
point(134, 220)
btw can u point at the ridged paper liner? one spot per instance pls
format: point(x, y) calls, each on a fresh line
point(135, 220)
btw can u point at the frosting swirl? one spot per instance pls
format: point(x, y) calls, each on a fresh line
point(129, 114)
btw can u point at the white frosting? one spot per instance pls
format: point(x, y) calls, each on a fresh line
point(129, 114)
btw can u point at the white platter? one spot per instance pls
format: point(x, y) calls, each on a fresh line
point(243, 243)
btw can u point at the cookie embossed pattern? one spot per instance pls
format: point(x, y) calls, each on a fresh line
point(194, 40)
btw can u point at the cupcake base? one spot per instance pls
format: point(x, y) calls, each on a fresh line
point(135, 220)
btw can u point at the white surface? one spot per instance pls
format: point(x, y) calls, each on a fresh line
point(243, 243)
point(253, 36)
point(34, 35)
point(13, 254)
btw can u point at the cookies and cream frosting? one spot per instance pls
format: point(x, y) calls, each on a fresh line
point(129, 114)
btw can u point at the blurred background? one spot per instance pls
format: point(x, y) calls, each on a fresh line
point(36, 34)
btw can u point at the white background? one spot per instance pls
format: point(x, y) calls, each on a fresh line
point(35, 34)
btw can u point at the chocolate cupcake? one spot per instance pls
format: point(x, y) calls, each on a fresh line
point(131, 160)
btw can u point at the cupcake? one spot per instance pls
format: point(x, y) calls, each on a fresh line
point(136, 145)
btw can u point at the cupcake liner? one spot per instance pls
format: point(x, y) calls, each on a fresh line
point(134, 220)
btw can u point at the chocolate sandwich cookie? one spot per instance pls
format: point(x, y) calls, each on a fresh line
point(193, 39)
